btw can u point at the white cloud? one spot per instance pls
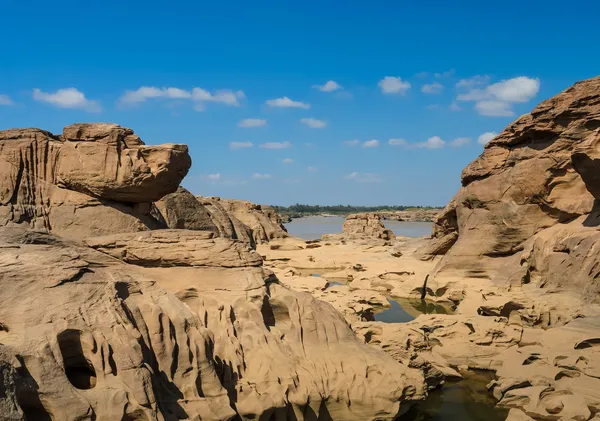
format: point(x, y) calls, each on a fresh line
point(286, 102)
point(214, 177)
point(276, 145)
point(224, 96)
point(252, 122)
point(312, 169)
point(258, 176)
point(473, 81)
point(373, 143)
point(288, 161)
point(198, 95)
point(240, 145)
point(364, 177)
point(393, 85)
point(397, 142)
point(486, 137)
point(434, 142)
point(329, 86)
point(313, 123)
point(496, 100)
point(432, 88)
point(68, 98)
point(354, 142)
point(5, 100)
point(445, 74)
point(460, 141)
point(473, 95)
point(494, 108)
point(518, 89)
point(454, 106)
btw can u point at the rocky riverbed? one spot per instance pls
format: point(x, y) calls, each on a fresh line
point(126, 297)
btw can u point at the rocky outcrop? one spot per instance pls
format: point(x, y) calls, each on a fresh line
point(366, 226)
point(228, 225)
point(262, 220)
point(94, 179)
point(182, 210)
point(410, 215)
point(538, 174)
point(235, 219)
point(181, 329)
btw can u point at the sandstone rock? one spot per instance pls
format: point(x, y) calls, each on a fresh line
point(181, 210)
point(262, 220)
point(537, 173)
point(110, 162)
point(69, 184)
point(228, 225)
point(205, 334)
point(366, 225)
point(167, 248)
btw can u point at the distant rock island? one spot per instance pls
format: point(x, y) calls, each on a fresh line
point(126, 297)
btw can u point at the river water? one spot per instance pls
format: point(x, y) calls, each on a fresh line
point(313, 227)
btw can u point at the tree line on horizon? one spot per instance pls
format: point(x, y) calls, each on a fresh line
point(342, 209)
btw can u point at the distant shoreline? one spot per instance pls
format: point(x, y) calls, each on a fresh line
point(407, 215)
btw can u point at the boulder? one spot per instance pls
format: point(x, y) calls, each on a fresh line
point(95, 179)
point(262, 220)
point(367, 226)
point(110, 162)
point(227, 224)
point(182, 210)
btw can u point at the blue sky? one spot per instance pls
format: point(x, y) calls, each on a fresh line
point(417, 74)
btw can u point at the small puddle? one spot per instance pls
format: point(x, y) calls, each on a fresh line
point(394, 314)
point(404, 310)
point(332, 284)
point(464, 400)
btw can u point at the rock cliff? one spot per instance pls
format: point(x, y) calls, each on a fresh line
point(527, 207)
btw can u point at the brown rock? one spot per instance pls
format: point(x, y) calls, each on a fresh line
point(262, 220)
point(366, 225)
point(69, 184)
point(182, 210)
point(149, 341)
point(228, 225)
point(537, 173)
point(110, 162)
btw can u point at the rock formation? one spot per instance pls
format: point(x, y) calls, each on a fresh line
point(366, 226)
point(111, 320)
point(526, 203)
point(182, 210)
point(235, 219)
point(94, 179)
point(262, 220)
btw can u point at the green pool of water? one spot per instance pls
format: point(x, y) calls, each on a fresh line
point(464, 400)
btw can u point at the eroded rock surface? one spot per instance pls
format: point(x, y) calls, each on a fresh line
point(538, 173)
point(262, 220)
point(188, 337)
point(95, 179)
point(366, 226)
point(118, 320)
